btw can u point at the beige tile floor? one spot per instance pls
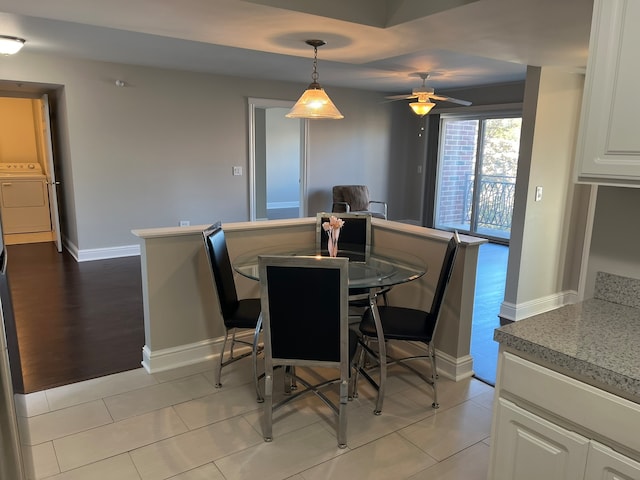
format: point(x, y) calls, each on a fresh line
point(177, 425)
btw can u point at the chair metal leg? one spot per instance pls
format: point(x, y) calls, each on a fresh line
point(382, 354)
point(221, 359)
point(233, 344)
point(268, 406)
point(342, 414)
point(434, 375)
point(358, 363)
point(254, 358)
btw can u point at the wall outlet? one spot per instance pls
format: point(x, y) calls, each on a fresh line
point(237, 171)
point(184, 223)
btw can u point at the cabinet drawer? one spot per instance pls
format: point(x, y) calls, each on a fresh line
point(613, 417)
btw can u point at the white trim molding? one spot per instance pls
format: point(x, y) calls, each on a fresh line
point(189, 354)
point(453, 368)
point(513, 312)
point(100, 253)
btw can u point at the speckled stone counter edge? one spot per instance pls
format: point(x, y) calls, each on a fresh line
point(600, 377)
point(609, 288)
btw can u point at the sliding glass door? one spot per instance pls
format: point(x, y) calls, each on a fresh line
point(477, 165)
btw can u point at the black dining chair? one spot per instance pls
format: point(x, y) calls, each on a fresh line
point(354, 243)
point(409, 325)
point(305, 324)
point(237, 314)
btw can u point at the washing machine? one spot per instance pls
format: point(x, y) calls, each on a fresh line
point(24, 198)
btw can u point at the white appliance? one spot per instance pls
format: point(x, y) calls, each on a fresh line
point(11, 463)
point(24, 198)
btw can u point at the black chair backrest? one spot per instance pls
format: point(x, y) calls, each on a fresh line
point(445, 273)
point(305, 307)
point(354, 241)
point(222, 273)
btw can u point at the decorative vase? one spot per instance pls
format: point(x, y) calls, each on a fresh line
point(332, 242)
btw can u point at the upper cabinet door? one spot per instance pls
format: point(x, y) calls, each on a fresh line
point(608, 149)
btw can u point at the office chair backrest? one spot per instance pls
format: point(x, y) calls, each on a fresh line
point(354, 241)
point(221, 271)
point(305, 308)
point(357, 196)
point(445, 273)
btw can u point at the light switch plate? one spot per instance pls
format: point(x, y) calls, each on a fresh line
point(538, 193)
point(237, 171)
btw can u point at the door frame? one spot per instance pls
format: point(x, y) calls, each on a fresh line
point(256, 103)
point(52, 183)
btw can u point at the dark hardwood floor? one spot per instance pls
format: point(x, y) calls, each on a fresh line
point(77, 321)
point(490, 284)
point(74, 321)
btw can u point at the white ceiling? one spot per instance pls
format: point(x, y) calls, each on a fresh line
point(371, 44)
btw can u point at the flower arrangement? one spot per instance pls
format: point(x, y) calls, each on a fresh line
point(332, 227)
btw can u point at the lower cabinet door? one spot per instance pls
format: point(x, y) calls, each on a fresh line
point(528, 447)
point(604, 463)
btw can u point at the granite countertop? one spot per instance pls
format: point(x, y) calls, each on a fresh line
point(597, 341)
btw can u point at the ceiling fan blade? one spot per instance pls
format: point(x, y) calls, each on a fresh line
point(400, 97)
point(450, 99)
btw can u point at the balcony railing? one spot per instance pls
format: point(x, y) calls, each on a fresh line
point(494, 208)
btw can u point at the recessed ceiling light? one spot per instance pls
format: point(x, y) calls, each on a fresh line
point(10, 45)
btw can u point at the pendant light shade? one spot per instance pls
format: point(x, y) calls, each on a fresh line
point(421, 108)
point(10, 45)
point(314, 102)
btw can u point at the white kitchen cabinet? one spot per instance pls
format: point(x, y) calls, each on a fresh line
point(547, 425)
point(608, 149)
point(604, 463)
point(532, 448)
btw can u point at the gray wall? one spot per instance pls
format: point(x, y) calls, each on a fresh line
point(540, 265)
point(161, 149)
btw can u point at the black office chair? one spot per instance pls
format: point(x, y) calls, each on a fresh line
point(305, 322)
point(406, 324)
point(355, 198)
point(237, 314)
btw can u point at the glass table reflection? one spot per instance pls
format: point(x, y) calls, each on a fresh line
point(382, 268)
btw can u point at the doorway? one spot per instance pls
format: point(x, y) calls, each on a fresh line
point(477, 166)
point(277, 161)
point(28, 143)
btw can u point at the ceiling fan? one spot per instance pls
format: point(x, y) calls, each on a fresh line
point(424, 95)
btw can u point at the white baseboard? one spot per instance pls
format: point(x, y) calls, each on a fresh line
point(528, 309)
point(169, 358)
point(453, 368)
point(190, 354)
point(90, 254)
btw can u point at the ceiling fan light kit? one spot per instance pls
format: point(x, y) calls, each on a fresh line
point(424, 95)
point(421, 108)
point(10, 45)
point(314, 102)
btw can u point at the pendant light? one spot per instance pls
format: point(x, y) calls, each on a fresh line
point(10, 45)
point(314, 102)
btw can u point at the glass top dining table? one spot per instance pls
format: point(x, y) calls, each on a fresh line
point(381, 267)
